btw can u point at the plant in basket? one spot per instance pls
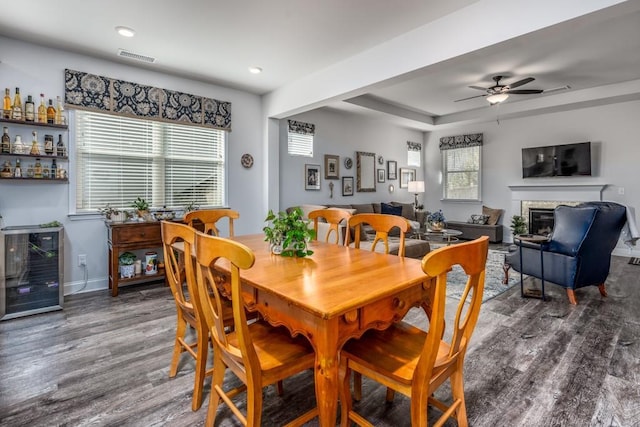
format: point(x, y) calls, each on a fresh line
point(288, 233)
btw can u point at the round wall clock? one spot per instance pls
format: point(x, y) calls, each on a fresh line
point(380, 160)
point(348, 162)
point(246, 160)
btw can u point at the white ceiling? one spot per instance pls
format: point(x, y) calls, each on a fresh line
point(216, 41)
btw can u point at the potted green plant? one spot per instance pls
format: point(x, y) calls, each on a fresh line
point(127, 268)
point(112, 214)
point(518, 225)
point(436, 220)
point(141, 206)
point(288, 233)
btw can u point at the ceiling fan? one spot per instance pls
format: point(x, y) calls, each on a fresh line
point(500, 92)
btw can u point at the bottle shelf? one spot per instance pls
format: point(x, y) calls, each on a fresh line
point(39, 156)
point(58, 180)
point(26, 123)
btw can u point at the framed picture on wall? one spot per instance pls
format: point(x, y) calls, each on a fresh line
point(347, 186)
point(406, 175)
point(331, 167)
point(311, 177)
point(380, 175)
point(392, 170)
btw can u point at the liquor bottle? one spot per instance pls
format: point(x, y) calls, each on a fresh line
point(37, 169)
point(17, 106)
point(17, 171)
point(48, 145)
point(54, 169)
point(7, 110)
point(18, 146)
point(6, 141)
point(58, 117)
point(42, 110)
point(35, 151)
point(60, 149)
point(51, 113)
point(29, 110)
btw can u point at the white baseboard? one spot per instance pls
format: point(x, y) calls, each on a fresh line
point(92, 285)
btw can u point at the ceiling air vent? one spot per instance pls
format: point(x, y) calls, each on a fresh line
point(136, 56)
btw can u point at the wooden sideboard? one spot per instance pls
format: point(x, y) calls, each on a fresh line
point(128, 236)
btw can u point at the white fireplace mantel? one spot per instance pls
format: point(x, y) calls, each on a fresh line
point(561, 193)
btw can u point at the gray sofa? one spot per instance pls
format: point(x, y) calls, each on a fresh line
point(414, 248)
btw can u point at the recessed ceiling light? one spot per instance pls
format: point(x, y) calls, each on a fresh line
point(255, 70)
point(125, 31)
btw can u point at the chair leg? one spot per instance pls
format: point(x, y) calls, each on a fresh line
point(254, 405)
point(280, 388)
point(357, 386)
point(457, 391)
point(201, 369)
point(181, 328)
point(216, 383)
point(602, 289)
point(572, 296)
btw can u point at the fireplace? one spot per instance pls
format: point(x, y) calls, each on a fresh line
point(541, 221)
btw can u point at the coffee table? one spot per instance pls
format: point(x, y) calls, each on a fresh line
point(446, 235)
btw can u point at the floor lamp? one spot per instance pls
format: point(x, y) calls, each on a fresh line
point(416, 187)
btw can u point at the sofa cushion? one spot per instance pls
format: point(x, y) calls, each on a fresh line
point(494, 214)
point(363, 208)
point(308, 208)
point(407, 210)
point(390, 209)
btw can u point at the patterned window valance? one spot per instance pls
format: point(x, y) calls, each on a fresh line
point(302, 128)
point(98, 93)
point(460, 141)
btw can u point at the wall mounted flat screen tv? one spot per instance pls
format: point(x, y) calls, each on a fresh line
point(557, 160)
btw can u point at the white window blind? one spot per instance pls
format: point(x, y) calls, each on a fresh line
point(120, 159)
point(300, 144)
point(461, 177)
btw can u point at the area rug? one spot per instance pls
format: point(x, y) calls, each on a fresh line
point(494, 275)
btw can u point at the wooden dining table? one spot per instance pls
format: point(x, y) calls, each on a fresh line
point(334, 295)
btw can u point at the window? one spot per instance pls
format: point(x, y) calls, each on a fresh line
point(461, 173)
point(300, 138)
point(120, 159)
point(300, 145)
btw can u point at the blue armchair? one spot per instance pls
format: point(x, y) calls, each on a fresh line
point(578, 252)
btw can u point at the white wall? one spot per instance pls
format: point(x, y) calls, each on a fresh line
point(612, 129)
point(35, 69)
point(342, 134)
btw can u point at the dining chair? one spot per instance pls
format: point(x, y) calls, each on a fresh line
point(178, 275)
point(382, 224)
point(257, 353)
point(334, 218)
point(209, 217)
point(415, 363)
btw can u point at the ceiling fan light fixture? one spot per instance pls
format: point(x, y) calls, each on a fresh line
point(497, 98)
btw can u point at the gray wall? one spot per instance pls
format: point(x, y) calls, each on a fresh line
point(342, 134)
point(35, 69)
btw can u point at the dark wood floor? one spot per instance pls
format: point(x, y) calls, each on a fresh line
point(104, 361)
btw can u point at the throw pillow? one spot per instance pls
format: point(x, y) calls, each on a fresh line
point(407, 210)
point(494, 214)
point(390, 209)
point(479, 219)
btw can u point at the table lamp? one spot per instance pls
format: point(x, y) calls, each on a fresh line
point(416, 187)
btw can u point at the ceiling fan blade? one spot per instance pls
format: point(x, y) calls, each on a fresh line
point(478, 88)
point(521, 82)
point(471, 97)
point(525, 91)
